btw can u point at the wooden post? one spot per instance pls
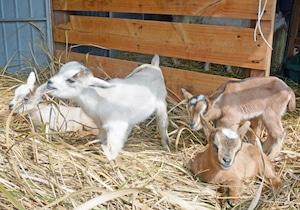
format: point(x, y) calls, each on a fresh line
point(294, 29)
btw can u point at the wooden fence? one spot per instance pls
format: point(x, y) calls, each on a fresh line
point(206, 43)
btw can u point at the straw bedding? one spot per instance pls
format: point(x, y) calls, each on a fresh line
point(40, 169)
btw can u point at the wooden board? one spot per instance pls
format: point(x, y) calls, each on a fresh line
point(215, 44)
point(294, 29)
point(246, 9)
point(197, 83)
point(207, 43)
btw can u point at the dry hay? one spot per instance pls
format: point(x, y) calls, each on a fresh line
point(66, 171)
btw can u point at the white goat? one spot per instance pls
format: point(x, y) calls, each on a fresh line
point(233, 22)
point(237, 100)
point(228, 161)
point(118, 104)
point(28, 98)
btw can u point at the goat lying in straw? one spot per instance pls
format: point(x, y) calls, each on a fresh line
point(226, 160)
point(118, 104)
point(27, 99)
point(263, 97)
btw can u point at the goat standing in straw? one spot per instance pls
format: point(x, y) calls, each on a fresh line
point(28, 99)
point(226, 160)
point(238, 100)
point(118, 104)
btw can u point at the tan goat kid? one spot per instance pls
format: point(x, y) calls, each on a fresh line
point(238, 100)
point(227, 160)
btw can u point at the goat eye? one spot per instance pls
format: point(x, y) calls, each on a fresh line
point(70, 81)
point(25, 99)
point(215, 147)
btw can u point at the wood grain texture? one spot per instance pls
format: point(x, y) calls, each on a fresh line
point(215, 44)
point(245, 9)
point(197, 83)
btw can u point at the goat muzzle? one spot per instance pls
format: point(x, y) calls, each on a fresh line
point(192, 126)
point(49, 85)
point(10, 107)
point(226, 163)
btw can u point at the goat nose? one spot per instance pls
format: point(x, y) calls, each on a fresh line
point(226, 160)
point(49, 82)
point(10, 106)
point(49, 85)
point(192, 125)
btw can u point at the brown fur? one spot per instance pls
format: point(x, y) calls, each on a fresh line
point(235, 101)
point(243, 160)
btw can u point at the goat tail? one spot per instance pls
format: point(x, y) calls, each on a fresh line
point(292, 101)
point(155, 60)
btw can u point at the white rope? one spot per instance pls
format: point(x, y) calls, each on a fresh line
point(257, 26)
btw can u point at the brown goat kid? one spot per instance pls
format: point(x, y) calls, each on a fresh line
point(239, 100)
point(227, 160)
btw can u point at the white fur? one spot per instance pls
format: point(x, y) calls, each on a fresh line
point(229, 133)
point(28, 98)
point(196, 99)
point(118, 104)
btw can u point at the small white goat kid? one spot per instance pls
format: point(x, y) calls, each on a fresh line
point(27, 98)
point(118, 104)
point(238, 100)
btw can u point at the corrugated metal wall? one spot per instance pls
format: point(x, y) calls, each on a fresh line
point(25, 29)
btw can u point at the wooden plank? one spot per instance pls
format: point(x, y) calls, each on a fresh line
point(256, 73)
point(294, 29)
point(297, 41)
point(243, 9)
point(269, 39)
point(214, 44)
point(60, 18)
point(266, 26)
point(175, 78)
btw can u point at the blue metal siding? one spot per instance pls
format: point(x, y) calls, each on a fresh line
point(24, 24)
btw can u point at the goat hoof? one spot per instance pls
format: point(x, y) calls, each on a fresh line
point(168, 148)
point(230, 204)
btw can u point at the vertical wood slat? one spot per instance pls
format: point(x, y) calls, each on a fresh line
point(269, 38)
point(294, 29)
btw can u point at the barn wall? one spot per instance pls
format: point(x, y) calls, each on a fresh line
point(206, 43)
point(24, 24)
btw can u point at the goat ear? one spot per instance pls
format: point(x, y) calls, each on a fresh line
point(207, 127)
point(87, 75)
point(32, 91)
point(211, 136)
point(31, 79)
point(155, 60)
point(81, 74)
point(95, 82)
point(186, 94)
point(243, 129)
